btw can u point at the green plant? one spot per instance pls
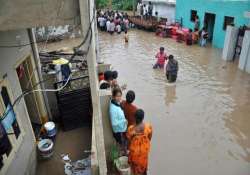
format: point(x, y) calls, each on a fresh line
point(116, 4)
point(122, 4)
point(101, 4)
point(114, 154)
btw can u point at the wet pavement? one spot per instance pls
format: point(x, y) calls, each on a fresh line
point(201, 123)
point(75, 143)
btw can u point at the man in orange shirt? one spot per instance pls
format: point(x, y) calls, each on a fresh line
point(128, 108)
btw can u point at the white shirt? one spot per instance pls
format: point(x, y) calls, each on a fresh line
point(145, 10)
point(108, 26)
point(112, 27)
point(203, 33)
point(99, 19)
point(102, 21)
point(118, 28)
point(138, 7)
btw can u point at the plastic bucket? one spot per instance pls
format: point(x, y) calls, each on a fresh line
point(45, 148)
point(122, 165)
point(50, 128)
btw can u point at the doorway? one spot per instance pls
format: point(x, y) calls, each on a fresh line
point(27, 78)
point(209, 21)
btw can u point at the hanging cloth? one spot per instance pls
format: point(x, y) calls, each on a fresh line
point(8, 118)
point(5, 146)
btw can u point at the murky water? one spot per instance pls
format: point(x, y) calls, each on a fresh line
point(202, 123)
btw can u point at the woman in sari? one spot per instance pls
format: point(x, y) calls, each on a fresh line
point(139, 137)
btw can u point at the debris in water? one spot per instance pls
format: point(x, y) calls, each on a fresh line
point(79, 167)
point(66, 158)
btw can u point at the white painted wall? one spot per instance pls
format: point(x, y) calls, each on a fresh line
point(244, 63)
point(165, 9)
point(24, 161)
point(230, 43)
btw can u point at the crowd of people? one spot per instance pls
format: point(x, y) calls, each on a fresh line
point(145, 10)
point(113, 21)
point(131, 133)
point(197, 36)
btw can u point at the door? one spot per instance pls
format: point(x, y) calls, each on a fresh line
point(27, 80)
point(209, 22)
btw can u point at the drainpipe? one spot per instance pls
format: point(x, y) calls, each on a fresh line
point(38, 66)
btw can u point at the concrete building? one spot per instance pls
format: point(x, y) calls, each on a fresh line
point(165, 9)
point(19, 61)
point(15, 64)
point(212, 16)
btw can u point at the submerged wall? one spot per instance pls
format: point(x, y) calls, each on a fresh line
point(244, 63)
point(221, 8)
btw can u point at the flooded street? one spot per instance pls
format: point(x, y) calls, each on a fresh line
point(202, 123)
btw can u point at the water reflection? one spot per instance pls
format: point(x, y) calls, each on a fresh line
point(170, 93)
point(201, 124)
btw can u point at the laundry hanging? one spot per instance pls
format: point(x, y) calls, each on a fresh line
point(8, 118)
point(5, 146)
point(20, 71)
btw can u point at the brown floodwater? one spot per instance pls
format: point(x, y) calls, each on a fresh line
point(202, 122)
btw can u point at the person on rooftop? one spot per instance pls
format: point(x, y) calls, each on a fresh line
point(150, 9)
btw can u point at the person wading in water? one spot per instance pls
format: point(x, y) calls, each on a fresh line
point(161, 57)
point(172, 69)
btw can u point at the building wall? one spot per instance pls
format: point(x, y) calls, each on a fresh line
point(24, 161)
point(107, 127)
point(165, 9)
point(29, 13)
point(221, 8)
point(52, 100)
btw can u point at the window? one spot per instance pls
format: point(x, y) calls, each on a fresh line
point(8, 106)
point(193, 15)
point(9, 127)
point(228, 21)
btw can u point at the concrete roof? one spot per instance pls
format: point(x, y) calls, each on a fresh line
point(16, 14)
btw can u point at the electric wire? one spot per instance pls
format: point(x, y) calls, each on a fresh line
point(51, 90)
